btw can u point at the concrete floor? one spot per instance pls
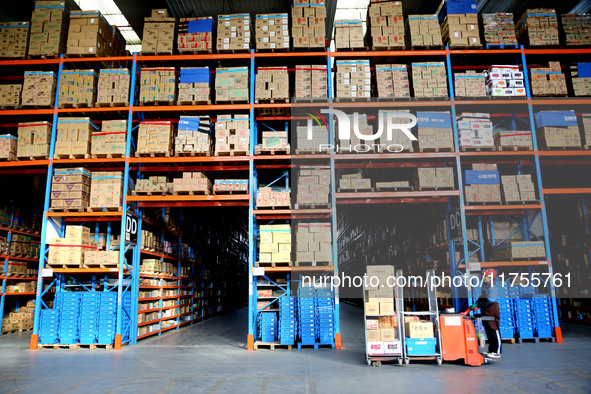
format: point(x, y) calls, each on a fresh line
point(210, 357)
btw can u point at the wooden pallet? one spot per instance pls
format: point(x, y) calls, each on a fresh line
point(71, 157)
point(395, 189)
point(426, 47)
point(513, 148)
point(444, 149)
point(191, 192)
point(244, 50)
point(351, 190)
point(258, 150)
point(103, 209)
point(313, 263)
point(272, 101)
point(273, 264)
point(194, 52)
point(231, 101)
point(312, 206)
point(72, 346)
point(156, 53)
point(153, 154)
point(196, 102)
point(44, 56)
point(217, 192)
point(360, 49)
point(273, 50)
point(316, 346)
point(120, 104)
point(502, 46)
point(388, 48)
point(586, 147)
point(107, 155)
point(561, 147)
point(191, 154)
point(15, 331)
point(521, 340)
point(307, 152)
point(76, 105)
point(158, 103)
point(435, 188)
point(273, 111)
point(470, 47)
point(477, 149)
point(520, 202)
point(270, 345)
point(100, 265)
point(232, 153)
point(484, 203)
point(60, 266)
point(149, 193)
point(5, 107)
point(94, 346)
point(79, 210)
point(35, 106)
point(274, 207)
point(508, 340)
point(42, 157)
point(352, 99)
point(8, 159)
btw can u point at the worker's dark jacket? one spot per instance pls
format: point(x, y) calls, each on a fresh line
point(489, 306)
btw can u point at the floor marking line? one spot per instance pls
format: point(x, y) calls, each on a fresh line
point(169, 385)
point(122, 385)
point(28, 385)
point(512, 387)
point(76, 385)
point(217, 385)
point(264, 385)
point(554, 382)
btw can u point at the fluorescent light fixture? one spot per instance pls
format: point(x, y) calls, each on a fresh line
point(114, 17)
point(351, 9)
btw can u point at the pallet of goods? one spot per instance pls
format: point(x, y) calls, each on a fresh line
point(113, 88)
point(155, 138)
point(90, 34)
point(268, 197)
point(440, 178)
point(158, 86)
point(194, 86)
point(192, 183)
point(354, 183)
point(49, 29)
point(195, 35)
point(505, 81)
point(77, 89)
point(499, 30)
point(193, 136)
point(158, 37)
point(230, 186)
point(106, 190)
point(274, 245)
point(548, 81)
point(423, 32)
point(353, 80)
point(386, 25)
point(482, 184)
point(232, 135)
point(429, 79)
point(459, 23)
point(73, 138)
point(234, 33)
point(313, 187)
point(70, 190)
point(349, 34)
point(33, 140)
point(308, 24)
point(272, 32)
point(69, 252)
point(313, 244)
point(8, 147)
point(311, 82)
point(518, 189)
point(558, 130)
point(476, 131)
point(272, 85)
point(10, 96)
point(538, 27)
point(434, 132)
point(513, 140)
point(38, 89)
point(231, 85)
point(273, 142)
point(110, 141)
point(470, 84)
point(577, 29)
point(14, 40)
point(392, 80)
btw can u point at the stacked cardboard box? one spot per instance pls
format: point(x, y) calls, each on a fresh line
point(518, 188)
point(69, 251)
point(418, 329)
point(49, 28)
point(429, 79)
point(275, 243)
point(577, 28)
point(586, 119)
point(269, 197)
point(356, 144)
point(194, 84)
point(548, 81)
point(24, 318)
point(313, 186)
point(582, 86)
point(313, 243)
point(499, 29)
point(70, 189)
point(110, 140)
point(308, 23)
point(557, 129)
point(273, 140)
point(158, 85)
point(10, 95)
point(392, 80)
point(232, 135)
point(434, 178)
point(113, 87)
point(349, 34)
point(386, 24)
point(101, 240)
point(381, 320)
point(470, 84)
point(33, 139)
point(311, 82)
point(434, 131)
point(8, 147)
point(461, 30)
point(482, 183)
point(231, 84)
point(272, 31)
point(224, 186)
point(520, 250)
point(22, 287)
point(315, 144)
point(353, 79)
point(101, 258)
point(192, 182)
point(158, 37)
point(90, 34)
point(538, 27)
point(505, 229)
point(513, 139)
point(423, 31)
point(476, 130)
point(154, 184)
point(272, 83)
point(38, 88)
point(195, 35)
point(505, 81)
point(398, 137)
point(14, 39)
point(77, 88)
point(386, 186)
point(354, 181)
point(155, 137)
point(73, 137)
point(20, 245)
point(106, 188)
point(233, 32)
point(193, 136)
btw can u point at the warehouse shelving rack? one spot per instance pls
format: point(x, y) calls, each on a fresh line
point(251, 162)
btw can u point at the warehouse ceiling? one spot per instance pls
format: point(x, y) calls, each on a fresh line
point(137, 10)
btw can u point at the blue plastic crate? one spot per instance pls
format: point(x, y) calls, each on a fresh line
point(525, 334)
point(420, 347)
point(507, 332)
point(545, 333)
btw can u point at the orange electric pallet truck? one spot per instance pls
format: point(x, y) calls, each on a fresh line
point(459, 339)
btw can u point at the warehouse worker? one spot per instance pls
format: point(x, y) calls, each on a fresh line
point(489, 306)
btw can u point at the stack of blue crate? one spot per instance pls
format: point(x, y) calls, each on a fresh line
point(126, 316)
point(49, 326)
point(107, 318)
point(325, 316)
point(268, 326)
point(89, 317)
point(507, 322)
point(543, 315)
point(307, 316)
point(69, 307)
point(524, 318)
point(287, 320)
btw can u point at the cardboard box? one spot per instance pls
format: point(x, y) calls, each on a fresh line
point(38, 89)
point(272, 31)
point(49, 28)
point(392, 80)
point(353, 79)
point(499, 29)
point(231, 84)
point(73, 137)
point(308, 21)
point(192, 182)
point(386, 308)
point(349, 34)
point(155, 137)
point(77, 88)
point(520, 250)
point(195, 35)
point(419, 329)
point(277, 240)
point(429, 79)
point(311, 82)
point(423, 31)
point(106, 189)
point(470, 84)
point(538, 27)
point(8, 147)
point(90, 34)
point(14, 39)
point(113, 87)
point(475, 131)
point(576, 29)
point(33, 139)
point(69, 251)
point(460, 30)
point(194, 86)
point(272, 83)
point(234, 32)
point(159, 32)
point(373, 335)
point(193, 136)
point(110, 140)
point(158, 85)
point(232, 135)
point(548, 81)
point(505, 80)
